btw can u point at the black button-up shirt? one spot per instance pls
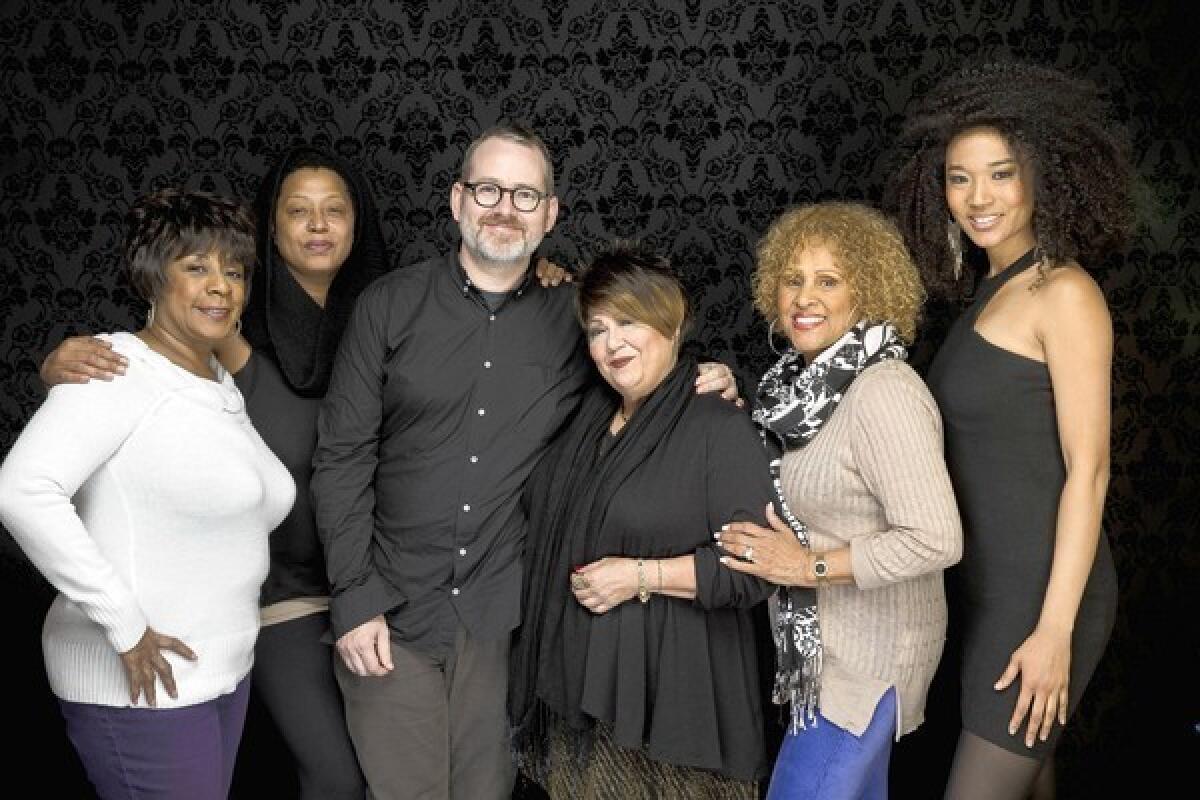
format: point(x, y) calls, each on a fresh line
point(438, 408)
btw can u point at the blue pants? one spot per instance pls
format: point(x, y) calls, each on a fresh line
point(177, 753)
point(824, 761)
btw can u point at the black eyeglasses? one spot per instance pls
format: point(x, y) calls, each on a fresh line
point(489, 195)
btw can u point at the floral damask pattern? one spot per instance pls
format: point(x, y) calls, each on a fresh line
point(690, 124)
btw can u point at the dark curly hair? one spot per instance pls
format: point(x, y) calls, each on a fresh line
point(1061, 129)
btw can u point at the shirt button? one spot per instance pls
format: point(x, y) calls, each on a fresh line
point(474, 459)
point(454, 591)
point(487, 365)
point(462, 551)
point(466, 506)
point(482, 412)
point(491, 317)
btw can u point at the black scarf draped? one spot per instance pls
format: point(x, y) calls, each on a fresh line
point(794, 401)
point(281, 320)
point(567, 498)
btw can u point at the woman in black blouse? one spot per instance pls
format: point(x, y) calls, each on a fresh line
point(637, 647)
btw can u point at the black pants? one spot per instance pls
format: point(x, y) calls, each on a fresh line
point(294, 678)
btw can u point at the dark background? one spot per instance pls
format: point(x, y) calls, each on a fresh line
point(687, 124)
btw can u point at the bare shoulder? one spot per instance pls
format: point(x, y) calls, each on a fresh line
point(1066, 287)
point(1070, 302)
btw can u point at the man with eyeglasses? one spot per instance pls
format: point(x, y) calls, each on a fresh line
point(452, 376)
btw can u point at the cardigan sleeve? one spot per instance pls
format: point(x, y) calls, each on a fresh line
point(73, 434)
point(897, 445)
point(737, 487)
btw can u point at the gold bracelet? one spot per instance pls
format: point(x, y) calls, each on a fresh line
point(643, 591)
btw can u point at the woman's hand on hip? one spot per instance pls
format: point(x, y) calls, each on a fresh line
point(773, 554)
point(603, 585)
point(145, 666)
point(1043, 662)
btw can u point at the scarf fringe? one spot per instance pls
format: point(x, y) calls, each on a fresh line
point(800, 691)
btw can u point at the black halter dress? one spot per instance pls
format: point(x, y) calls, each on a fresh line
point(1006, 464)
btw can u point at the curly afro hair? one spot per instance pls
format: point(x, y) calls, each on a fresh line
point(1059, 126)
point(866, 247)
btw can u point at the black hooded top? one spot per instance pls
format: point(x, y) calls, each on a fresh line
point(294, 342)
point(281, 321)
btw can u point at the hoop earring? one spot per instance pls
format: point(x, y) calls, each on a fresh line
point(150, 315)
point(954, 242)
point(771, 338)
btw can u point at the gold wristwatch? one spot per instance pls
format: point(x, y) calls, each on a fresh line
point(820, 569)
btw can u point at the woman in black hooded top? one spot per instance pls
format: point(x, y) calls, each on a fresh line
point(320, 244)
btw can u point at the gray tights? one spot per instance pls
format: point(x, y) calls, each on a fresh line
point(986, 771)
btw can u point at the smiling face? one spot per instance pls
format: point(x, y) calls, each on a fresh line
point(816, 303)
point(502, 235)
point(314, 224)
point(201, 301)
point(990, 194)
point(631, 356)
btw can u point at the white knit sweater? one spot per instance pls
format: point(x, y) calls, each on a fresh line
point(174, 494)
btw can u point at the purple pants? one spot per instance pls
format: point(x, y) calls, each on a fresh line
point(177, 753)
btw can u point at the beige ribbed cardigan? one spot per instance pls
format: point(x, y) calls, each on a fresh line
point(875, 479)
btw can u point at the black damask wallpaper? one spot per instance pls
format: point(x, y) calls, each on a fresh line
point(689, 124)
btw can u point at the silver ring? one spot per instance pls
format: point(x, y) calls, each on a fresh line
point(749, 554)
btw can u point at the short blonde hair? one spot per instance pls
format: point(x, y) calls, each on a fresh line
point(866, 247)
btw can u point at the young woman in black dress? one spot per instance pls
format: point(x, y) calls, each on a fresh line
point(1023, 164)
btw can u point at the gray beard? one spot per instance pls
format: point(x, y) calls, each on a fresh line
point(508, 254)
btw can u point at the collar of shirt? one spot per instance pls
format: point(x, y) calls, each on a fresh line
point(469, 289)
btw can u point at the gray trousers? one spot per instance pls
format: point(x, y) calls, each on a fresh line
point(435, 727)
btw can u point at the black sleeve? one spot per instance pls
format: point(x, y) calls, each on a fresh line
point(343, 480)
point(738, 488)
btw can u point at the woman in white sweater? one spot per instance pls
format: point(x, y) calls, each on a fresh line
point(146, 502)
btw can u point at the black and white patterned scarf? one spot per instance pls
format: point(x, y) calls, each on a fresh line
point(794, 400)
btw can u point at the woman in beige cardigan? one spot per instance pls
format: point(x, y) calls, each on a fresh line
point(869, 517)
